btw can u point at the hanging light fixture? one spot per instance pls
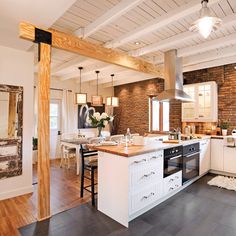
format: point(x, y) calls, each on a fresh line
point(80, 98)
point(97, 100)
point(112, 101)
point(206, 23)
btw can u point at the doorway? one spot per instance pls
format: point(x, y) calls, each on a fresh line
point(55, 127)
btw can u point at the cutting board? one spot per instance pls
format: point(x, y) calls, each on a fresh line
point(170, 141)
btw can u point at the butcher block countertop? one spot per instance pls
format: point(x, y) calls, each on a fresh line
point(133, 150)
point(129, 151)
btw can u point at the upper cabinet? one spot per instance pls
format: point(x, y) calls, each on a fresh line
point(205, 105)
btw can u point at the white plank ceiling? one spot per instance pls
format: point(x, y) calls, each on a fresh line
point(157, 26)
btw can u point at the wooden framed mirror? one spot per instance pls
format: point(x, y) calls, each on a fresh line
point(11, 127)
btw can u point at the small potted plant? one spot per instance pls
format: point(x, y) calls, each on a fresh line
point(224, 126)
point(99, 120)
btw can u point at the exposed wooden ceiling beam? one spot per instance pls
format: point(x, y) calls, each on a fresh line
point(111, 15)
point(210, 55)
point(207, 46)
point(214, 63)
point(74, 44)
point(159, 22)
point(175, 40)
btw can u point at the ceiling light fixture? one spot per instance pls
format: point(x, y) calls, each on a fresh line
point(112, 101)
point(136, 43)
point(80, 98)
point(206, 23)
point(97, 100)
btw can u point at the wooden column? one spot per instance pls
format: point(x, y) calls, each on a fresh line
point(44, 132)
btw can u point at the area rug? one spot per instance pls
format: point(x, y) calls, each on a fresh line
point(223, 182)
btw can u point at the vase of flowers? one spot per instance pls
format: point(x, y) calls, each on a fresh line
point(99, 120)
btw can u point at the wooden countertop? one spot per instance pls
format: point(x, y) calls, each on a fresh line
point(133, 150)
point(129, 151)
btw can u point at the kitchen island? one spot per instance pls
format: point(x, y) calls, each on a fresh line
point(131, 179)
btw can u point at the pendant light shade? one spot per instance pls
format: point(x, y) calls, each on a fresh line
point(112, 101)
point(97, 100)
point(206, 23)
point(80, 98)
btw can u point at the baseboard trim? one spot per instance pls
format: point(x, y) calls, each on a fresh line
point(16, 192)
point(222, 173)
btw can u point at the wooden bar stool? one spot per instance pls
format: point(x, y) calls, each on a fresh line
point(89, 163)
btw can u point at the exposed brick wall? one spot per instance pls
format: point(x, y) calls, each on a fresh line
point(133, 110)
point(134, 105)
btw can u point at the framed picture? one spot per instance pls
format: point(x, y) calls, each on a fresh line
point(86, 110)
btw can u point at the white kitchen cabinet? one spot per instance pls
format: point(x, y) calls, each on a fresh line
point(217, 154)
point(205, 105)
point(230, 159)
point(205, 156)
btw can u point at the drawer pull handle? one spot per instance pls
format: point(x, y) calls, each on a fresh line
point(148, 196)
point(176, 186)
point(147, 175)
point(177, 177)
point(171, 180)
point(154, 157)
point(143, 160)
point(171, 188)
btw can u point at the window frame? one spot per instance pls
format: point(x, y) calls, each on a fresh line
point(160, 116)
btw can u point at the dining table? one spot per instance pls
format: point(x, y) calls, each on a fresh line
point(74, 143)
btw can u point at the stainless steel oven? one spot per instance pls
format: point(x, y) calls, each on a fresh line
point(172, 160)
point(191, 155)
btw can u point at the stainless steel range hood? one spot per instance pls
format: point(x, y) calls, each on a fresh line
point(173, 79)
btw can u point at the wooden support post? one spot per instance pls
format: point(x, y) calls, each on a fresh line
point(44, 132)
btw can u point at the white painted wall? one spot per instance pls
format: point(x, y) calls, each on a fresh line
point(16, 68)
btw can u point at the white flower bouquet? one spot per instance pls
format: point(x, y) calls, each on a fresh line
point(99, 120)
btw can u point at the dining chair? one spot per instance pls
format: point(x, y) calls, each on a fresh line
point(116, 138)
point(68, 152)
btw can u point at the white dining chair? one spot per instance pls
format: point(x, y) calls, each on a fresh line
point(68, 152)
point(117, 138)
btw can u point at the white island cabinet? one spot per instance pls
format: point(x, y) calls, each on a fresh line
point(128, 186)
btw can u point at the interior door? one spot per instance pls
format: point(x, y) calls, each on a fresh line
point(55, 127)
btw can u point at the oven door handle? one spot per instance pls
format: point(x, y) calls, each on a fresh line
point(175, 157)
point(192, 154)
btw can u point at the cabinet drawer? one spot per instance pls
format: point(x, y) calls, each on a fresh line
point(145, 176)
point(145, 197)
point(173, 182)
point(146, 160)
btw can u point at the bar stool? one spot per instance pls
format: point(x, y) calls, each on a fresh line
point(89, 163)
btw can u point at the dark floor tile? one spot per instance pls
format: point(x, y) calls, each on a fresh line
point(222, 230)
point(198, 210)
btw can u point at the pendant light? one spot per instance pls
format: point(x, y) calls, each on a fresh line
point(97, 100)
point(80, 98)
point(206, 23)
point(112, 101)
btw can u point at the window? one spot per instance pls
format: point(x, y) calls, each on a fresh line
point(54, 114)
point(159, 115)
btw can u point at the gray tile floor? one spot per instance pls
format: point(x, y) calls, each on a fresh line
point(199, 210)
